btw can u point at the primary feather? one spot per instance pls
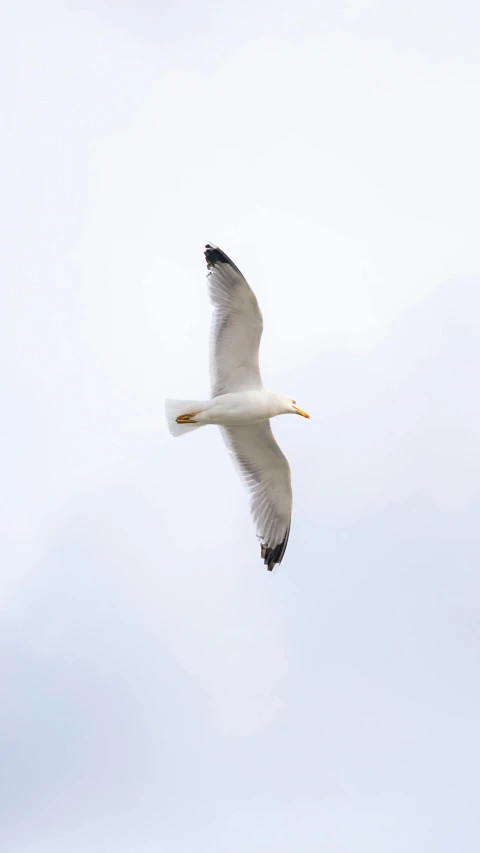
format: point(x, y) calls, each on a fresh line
point(237, 327)
point(266, 473)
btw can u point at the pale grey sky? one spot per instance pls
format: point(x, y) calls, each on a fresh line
point(161, 692)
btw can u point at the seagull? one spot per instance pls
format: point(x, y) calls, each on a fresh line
point(241, 406)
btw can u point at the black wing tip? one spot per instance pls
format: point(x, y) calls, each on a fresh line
point(273, 556)
point(214, 256)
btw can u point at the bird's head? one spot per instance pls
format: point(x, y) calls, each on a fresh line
point(291, 408)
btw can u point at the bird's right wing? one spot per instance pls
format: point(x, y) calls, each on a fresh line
point(237, 327)
point(266, 473)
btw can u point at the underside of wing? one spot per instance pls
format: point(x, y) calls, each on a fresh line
point(266, 473)
point(237, 326)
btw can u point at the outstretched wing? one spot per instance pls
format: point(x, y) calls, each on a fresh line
point(237, 327)
point(266, 473)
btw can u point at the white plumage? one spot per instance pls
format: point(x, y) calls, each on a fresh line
point(241, 406)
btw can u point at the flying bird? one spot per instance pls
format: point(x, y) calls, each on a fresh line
point(241, 406)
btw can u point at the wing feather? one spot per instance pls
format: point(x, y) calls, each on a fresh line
point(266, 473)
point(237, 327)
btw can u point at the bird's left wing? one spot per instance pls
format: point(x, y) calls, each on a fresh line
point(266, 473)
point(237, 326)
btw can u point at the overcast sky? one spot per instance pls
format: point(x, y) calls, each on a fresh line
point(161, 692)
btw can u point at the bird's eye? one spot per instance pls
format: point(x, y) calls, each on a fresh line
point(294, 402)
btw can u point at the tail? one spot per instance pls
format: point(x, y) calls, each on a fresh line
point(176, 408)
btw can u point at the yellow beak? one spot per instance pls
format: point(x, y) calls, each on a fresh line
point(299, 412)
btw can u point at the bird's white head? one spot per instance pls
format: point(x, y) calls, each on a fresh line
point(291, 408)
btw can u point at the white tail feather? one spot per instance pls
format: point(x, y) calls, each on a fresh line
point(174, 408)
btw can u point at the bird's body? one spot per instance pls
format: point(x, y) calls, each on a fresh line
point(241, 406)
